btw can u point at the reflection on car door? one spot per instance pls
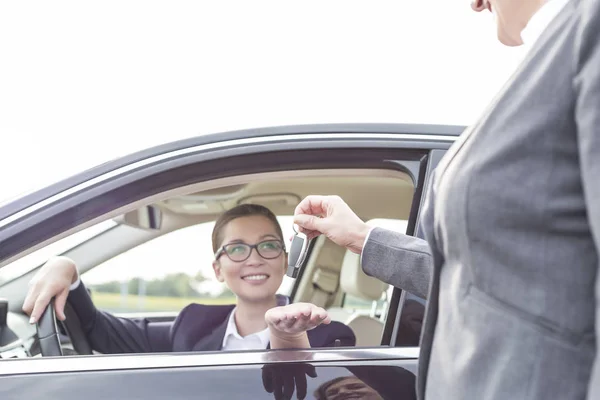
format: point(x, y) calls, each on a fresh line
point(376, 374)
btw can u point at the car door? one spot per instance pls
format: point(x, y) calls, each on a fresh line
point(106, 191)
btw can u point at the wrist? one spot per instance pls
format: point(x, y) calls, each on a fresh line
point(285, 335)
point(284, 340)
point(359, 236)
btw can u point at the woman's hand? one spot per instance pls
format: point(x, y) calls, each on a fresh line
point(52, 280)
point(288, 324)
point(332, 217)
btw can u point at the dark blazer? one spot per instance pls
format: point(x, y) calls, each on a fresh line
point(198, 327)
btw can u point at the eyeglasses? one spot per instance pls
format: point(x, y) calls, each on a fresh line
point(267, 249)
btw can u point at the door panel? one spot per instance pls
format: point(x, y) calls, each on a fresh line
point(386, 379)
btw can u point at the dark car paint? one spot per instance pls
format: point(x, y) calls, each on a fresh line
point(257, 375)
point(245, 382)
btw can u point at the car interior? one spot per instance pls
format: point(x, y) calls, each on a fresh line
point(331, 278)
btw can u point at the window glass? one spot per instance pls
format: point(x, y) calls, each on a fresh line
point(356, 304)
point(166, 274)
point(38, 257)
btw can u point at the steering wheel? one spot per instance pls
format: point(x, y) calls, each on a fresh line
point(49, 335)
point(47, 332)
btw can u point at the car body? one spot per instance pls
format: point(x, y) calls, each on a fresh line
point(187, 183)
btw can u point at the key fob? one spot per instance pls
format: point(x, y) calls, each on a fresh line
point(298, 250)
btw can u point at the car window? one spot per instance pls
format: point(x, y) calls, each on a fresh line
point(354, 304)
point(166, 274)
point(35, 259)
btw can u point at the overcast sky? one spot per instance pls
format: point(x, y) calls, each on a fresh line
point(84, 82)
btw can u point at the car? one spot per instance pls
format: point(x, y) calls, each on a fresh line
point(119, 219)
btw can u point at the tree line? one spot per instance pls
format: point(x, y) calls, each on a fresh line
point(172, 285)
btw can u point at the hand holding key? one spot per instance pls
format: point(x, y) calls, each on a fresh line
point(332, 217)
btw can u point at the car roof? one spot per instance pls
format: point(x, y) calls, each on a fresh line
point(21, 203)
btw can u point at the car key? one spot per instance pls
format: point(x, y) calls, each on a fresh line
point(298, 250)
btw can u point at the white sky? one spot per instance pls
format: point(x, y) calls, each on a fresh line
point(85, 82)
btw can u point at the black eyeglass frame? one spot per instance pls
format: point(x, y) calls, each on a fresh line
point(222, 251)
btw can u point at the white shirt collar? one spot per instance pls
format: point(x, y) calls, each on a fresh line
point(541, 19)
point(258, 340)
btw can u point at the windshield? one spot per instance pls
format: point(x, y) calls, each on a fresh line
point(38, 257)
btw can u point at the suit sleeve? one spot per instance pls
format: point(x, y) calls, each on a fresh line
point(399, 260)
point(109, 334)
point(587, 118)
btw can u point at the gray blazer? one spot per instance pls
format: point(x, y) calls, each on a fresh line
point(512, 222)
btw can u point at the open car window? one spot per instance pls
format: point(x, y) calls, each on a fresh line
point(166, 274)
point(378, 308)
point(33, 260)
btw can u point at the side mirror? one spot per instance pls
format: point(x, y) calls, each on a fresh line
point(149, 217)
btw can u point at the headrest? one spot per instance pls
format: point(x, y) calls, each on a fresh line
point(355, 282)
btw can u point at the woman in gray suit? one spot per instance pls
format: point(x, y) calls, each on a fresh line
point(512, 222)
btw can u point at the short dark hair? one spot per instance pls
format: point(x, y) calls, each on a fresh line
point(321, 392)
point(243, 210)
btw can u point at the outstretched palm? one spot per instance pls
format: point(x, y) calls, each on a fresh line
point(296, 318)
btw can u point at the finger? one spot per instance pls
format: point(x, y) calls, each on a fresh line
point(302, 323)
point(288, 385)
point(311, 371)
point(304, 317)
point(30, 300)
point(40, 305)
point(319, 317)
point(274, 315)
point(310, 224)
point(267, 378)
point(312, 235)
point(289, 321)
point(323, 315)
point(277, 387)
point(301, 385)
point(311, 205)
point(59, 304)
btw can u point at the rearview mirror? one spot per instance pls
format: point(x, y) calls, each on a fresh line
point(149, 217)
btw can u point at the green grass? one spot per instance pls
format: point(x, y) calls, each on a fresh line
point(114, 302)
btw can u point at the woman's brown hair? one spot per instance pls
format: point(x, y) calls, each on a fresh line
point(243, 210)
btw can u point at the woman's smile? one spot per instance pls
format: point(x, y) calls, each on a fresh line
point(255, 278)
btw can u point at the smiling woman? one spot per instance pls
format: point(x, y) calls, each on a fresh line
point(166, 273)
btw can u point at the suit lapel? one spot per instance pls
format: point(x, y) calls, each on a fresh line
point(213, 340)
